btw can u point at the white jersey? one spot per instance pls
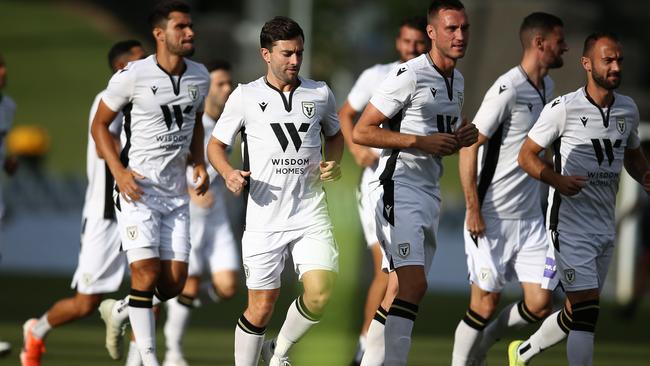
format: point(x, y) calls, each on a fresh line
point(591, 142)
point(99, 192)
point(281, 134)
point(509, 110)
point(159, 115)
point(7, 113)
point(423, 102)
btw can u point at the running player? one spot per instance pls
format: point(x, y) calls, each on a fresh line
point(504, 225)
point(281, 117)
point(101, 264)
point(163, 95)
point(421, 102)
point(594, 134)
point(411, 42)
point(213, 244)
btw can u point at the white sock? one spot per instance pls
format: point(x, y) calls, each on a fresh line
point(121, 310)
point(510, 317)
point(143, 325)
point(248, 343)
point(397, 332)
point(298, 321)
point(361, 349)
point(178, 316)
point(580, 348)
point(133, 357)
point(553, 330)
point(375, 349)
point(467, 337)
point(42, 326)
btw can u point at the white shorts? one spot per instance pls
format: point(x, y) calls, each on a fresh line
point(155, 226)
point(582, 259)
point(213, 243)
point(366, 208)
point(101, 265)
point(407, 224)
point(264, 254)
point(509, 249)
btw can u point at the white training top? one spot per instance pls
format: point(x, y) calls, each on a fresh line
point(591, 142)
point(419, 101)
point(281, 134)
point(159, 115)
point(509, 110)
point(99, 192)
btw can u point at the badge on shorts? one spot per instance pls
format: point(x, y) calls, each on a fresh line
point(570, 275)
point(309, 109)
point(404, 249)
point(132, 232)
point(484, 274)
point(193, 90)
point(620, 125)
point(247, 271)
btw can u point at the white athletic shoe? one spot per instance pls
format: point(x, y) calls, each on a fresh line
point(115, 328)
point(5, 348)
point(174, 359)
point(269, 358)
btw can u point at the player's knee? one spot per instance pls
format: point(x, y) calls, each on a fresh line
point(585, 315)
point(540, 310)
point(414, 289)
point(317, 301)
point(145, 276)
point(227, 291)
point(260, 312)
point(486, 307)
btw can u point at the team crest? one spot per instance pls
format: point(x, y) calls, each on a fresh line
point(194, 92)
point(247, 271)
point(570, 275)
point(620, 125)
point(404, 249)
point(309, 109)
point(461, 99)
point(484, 274)
point(132, 232)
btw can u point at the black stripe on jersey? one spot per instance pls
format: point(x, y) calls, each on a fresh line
point(602, 114)
point(542, 96)
point(449, 83)
point(386, 176)
point(287, 103)
point(124, 155)
point(176, 86)
point(109, 182)
point(555, 207)
point(492, 151)
point(246, 166)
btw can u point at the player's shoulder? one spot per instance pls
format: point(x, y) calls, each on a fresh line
point(458, 77)
point(137, 66)
point(573, 98)
point(318, 86)
point(379, 70)
point(196, 68)
point(625, 101)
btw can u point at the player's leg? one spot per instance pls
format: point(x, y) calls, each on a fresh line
point(375, 344)
point(470, 329)
point(251, 326)
point(580, 341)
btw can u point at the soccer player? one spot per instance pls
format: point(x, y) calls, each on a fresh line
point(420, 101)
point(411, 42)
point(101, 264)
point(213, 243)
point(594, 134)
point(504, 225)
point(281, 118)
point(163, 96)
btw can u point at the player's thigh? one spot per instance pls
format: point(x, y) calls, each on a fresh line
point(263, 257)
point(200, 230)
point(577, 256)
point(532, 248)
point(175, 233)
point(487, 259)
point(315, 249)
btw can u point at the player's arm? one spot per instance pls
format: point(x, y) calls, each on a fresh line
point(200, 173)
point(331, 168)
point(467, 169)
point(362, 155)
point(636, 165)
point(235, 179)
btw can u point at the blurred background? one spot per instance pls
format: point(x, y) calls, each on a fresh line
point(55, 53)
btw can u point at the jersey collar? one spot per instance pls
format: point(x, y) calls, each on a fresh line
point(542, 93)
point(602, 114)
point(176, 85)
point(449, 83)
point(287, 103)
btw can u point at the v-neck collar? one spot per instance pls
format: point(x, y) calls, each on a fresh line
point(609, 107)
point(448, 83)
point(542, 93)
point(287, 102)
point(176, 85)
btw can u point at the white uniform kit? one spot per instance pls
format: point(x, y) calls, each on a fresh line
point(514, 244)
point(159, 115)
point(101, 263)
point(405, 188)
point(7, 113)
point(213, 242)
point(358, 98)
point(286, 207)
point(590, 142)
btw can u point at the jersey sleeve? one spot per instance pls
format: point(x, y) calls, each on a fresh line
point(550, 124)
point(633, 140)
point(362, 90)
point(395, 91)
point(120, 89)
point(330, 122)
point(231, 120)
point(495, 108)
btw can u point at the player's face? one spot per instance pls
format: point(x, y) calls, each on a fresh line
point(220, 86)
point(178, 35)
point(605, 63)
point(553, 47)
point(411, 43)
point(284, 59)
point(450, 33)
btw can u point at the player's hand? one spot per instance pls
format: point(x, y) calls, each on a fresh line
point(570, 185)
point(330, 171)
point(437, 144)
point(467, 133)
point(200, 179)
point(645, 182)
point(475, 223)
point(129, 188)
point(364, 156)
point(236, 180)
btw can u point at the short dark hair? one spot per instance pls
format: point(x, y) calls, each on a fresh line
point(279, 28)
point(416, 22)
point(217, 64)
point(591, 40)
point(437, 5)
point(121, 48)
point(160, 13)
point(537, 22)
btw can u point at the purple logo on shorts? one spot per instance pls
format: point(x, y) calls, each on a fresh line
point(549, 268)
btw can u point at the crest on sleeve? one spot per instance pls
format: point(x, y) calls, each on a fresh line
point(401, 70)
point(461, 99)
point(193, 91)
point(620, 125)
point(309, 109)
